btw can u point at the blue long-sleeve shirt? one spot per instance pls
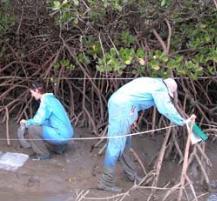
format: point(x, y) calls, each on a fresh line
point(145, 92)
point(51, 113)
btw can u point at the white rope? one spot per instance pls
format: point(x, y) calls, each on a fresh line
point(104, 78)
point(101, 137)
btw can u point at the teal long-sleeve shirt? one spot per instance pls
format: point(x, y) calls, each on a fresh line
point(143, 93)
point(51, 113)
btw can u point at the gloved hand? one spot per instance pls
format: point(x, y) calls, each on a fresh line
point(190, 120)
point(23, 122)
point(197, 131)
point(195, 128)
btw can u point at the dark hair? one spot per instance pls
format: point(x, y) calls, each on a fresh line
point(39, 85)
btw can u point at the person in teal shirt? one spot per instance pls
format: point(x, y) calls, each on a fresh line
point(50, 129)
point(123, 107)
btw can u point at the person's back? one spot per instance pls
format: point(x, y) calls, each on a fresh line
point(58, 117)
point(140, 85)
point(139, 92)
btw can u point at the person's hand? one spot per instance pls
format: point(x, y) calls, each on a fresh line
point(22, 122)
point(191, 119)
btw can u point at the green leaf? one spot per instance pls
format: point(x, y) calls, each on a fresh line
point(76, 2)
point(154, 65)
point(56, 5)
point(65, 2)
point(163, 3)
point(127, 39)
point(140, 53)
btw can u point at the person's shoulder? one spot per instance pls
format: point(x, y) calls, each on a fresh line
point(158, 85)
point(149, 79)
point(48, 97)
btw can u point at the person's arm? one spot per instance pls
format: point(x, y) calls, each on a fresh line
point(41, 115)
point(165, 106)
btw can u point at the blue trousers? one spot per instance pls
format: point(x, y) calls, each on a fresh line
point(112, 157)
point(122, 115)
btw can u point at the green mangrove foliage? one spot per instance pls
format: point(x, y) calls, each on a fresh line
point(64, 63)
point(196, 39)
point(193, 49)
point(65, 12)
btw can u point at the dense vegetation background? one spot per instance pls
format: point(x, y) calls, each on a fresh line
point(102, 42)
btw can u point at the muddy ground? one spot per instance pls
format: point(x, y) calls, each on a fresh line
point(65, 177)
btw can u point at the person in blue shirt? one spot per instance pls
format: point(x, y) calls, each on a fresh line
point(123, 107)
point(50, 129)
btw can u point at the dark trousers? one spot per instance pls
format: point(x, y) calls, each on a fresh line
point(37, 142)
point(39, 145)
